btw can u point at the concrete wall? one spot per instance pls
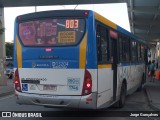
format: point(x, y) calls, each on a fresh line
point(2, 50)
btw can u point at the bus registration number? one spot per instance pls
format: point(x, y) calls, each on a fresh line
point(50, 87)
point(73, 81)
point(73, 84)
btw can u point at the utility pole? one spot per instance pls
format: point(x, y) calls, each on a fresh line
point(3, 80)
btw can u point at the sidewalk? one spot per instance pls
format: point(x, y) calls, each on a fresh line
point(7, 90)
point(153, 93)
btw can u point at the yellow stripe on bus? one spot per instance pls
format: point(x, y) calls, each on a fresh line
point(19, 53)
point(105, 66)
point(105, 21)
point(82, 52)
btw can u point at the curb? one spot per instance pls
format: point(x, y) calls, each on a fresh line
point(7, 93)
point(150, 101)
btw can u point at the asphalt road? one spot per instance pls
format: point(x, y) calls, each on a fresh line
point(135, 102)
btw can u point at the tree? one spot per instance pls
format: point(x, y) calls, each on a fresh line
point(9, 49)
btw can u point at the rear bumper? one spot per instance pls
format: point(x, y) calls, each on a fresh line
point(84, 102)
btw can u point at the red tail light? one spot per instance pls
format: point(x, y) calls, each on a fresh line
point(85, 13)
point(19, 18)
point(17, 81)
point(87, 85)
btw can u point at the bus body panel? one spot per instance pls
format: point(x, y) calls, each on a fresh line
point(60, 72)
point(61, 81)
point(91, 55)
point(83, 102)
point(132, 73)
point(58, 58)
point(52, 81)
point(56, 77)
point(47, 69)
point(105, 84)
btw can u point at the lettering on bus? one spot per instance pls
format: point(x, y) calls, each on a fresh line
point(73, 87)
point(124, 72)
point(32, 87)
point(73, 84)
point(72, 23)
point(33, 79)
point(41, 65)
point(58, 65)
point(66, 37)
point(73, 81)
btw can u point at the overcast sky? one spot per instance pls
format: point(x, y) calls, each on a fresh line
point(117, 13)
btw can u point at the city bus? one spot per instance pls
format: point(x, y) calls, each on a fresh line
point(75, 59)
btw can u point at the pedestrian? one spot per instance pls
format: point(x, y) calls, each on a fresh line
point(157, 65)
point(152, 71)
point(149, 65)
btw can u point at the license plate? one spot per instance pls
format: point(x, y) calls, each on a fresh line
point(50, 87)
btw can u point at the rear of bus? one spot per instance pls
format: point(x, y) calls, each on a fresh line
point(54, 59)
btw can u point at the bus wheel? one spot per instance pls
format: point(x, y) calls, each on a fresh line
point(122, 99)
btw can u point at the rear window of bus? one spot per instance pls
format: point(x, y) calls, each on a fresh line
point(52, 32)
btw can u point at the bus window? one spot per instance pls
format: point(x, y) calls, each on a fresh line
point(52, 32)
point(134, 51)
point(143, 53)
point(113, 37)
point(102, 44)
point(139, 52)
point(124, 49)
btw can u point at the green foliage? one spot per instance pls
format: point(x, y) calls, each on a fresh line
point(9, 49)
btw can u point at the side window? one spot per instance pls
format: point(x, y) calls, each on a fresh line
point(134, 50)
point(124, 49)
point(126, 52)
point(113, 36)
point(120, 49)
point(139, 52)
point(102, 44)
point(142, 52)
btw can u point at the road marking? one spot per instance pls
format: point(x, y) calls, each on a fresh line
point(6, 97)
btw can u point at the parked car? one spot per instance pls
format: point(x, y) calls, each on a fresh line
point(9, 70)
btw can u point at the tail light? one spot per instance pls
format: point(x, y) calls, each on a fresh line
point(17, 81)
point(87, 85)
point(85, 13)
